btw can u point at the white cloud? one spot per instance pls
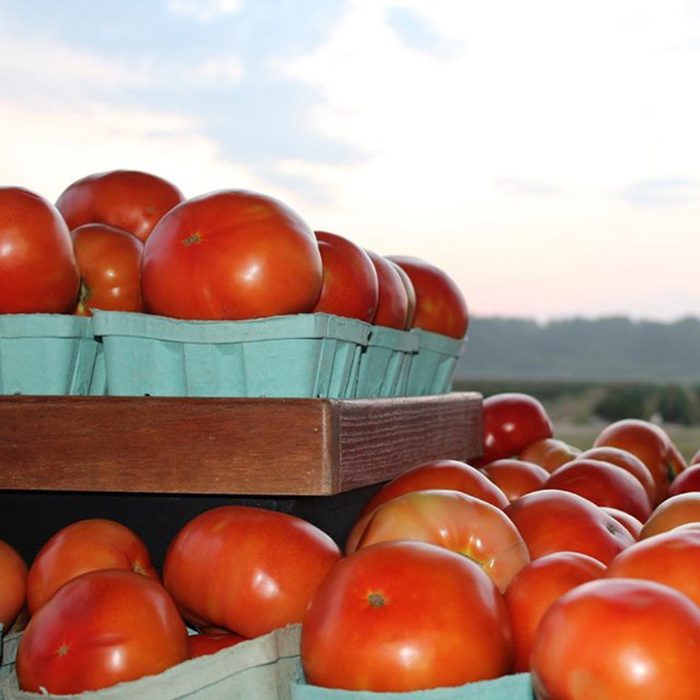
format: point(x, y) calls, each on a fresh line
point(216, 71)
point(204, 10)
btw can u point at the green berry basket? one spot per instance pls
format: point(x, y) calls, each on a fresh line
point(46, 354)
point(432, 368)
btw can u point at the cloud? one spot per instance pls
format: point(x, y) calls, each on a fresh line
point(204, 11)
point(661, 192)
point(216, 72)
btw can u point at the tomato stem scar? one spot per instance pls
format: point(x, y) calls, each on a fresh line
point(193, 238)
point(376, 600)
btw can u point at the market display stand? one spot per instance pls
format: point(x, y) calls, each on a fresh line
point(154, 463)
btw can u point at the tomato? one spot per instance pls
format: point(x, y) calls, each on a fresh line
point(650, 443)
point(688, 480)
point(231, 255)
point(402, 616)
point(109, 260)
point(695, 459)
point(410, 294)
point(604, 484)
point(559, 521)
point(674, 511)
point(86, 545)
point(515, 477)
point(38, 269)
point(629, 522)
point(549, 453)
point(627, 461)
point(392, 300)
point(536, 587)
point(618, 638)
point(440, 304)
point(101, 628)
point(13, 584)
point(245, 569)
point(204, 644)
point(131, 200)
point(511, 422)
point(456, 521)
point(350, 285)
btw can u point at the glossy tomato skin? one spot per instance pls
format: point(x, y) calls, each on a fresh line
point(511, 421)
point(82, 546)
point(245, 569)
point(558, 521)
point(440, 303)
point(392, 299)
point(549, 453)
point(231, 255)
point(109, 260)
point(629, 522)
point(454, 520)
point(410, 294)
point(38, 268)
point(688, 480)
point(131, 200)
point(672, 512)
point(516, 477)
point(618, 638)
point(101, 628)
point(350, 285)
point(210, 643)
point(13, 584)
point(536, 587)
point(405, 616)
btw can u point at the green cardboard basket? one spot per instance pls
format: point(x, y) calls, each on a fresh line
point(46, 354)
point(432, 367)
point(297, 356)
point(385, 362)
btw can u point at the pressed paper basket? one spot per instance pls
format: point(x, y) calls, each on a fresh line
point(299, 356)
point(46, 354)
point(432, 367)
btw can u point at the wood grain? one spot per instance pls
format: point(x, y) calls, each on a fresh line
point(227, 446)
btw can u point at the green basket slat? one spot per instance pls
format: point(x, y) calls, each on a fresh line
point(432, 368)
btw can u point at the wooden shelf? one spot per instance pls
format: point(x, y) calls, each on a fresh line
point(227, 446)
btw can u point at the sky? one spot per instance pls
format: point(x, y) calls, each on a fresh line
point(545, 154)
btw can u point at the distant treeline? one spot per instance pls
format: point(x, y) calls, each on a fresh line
point(613, 349)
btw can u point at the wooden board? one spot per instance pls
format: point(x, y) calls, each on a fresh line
point(227, 446)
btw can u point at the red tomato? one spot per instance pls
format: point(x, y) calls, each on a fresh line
point(629, 522)
point(536, 587)
point(440, 304)
point(392, 302)
point(650, 443)
point(231, 255)
point(245, 569)
point(402, 616)
point(604, 484)
point(204, 644)
point(688, 480)
point(13, 584)
point(38, 269)
point(350, 285)
point(549, 453)
point(672, 558)
point(101, 628)
point(511, 422)
point(695, 459)
point(618, 638)
point(109, 260)
point(86, 545)
point(410, 294)
point(129, 199)
point(674, 511)
point(515, 477)
point(627, 461)
point(559, 521)
point(456, 521)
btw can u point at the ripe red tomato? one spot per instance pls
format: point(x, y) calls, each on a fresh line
point(559, 521)
point(410, 294)
point(109, 260)
point(618, 638)
point(86, 545)
point(350, 285)
point(210, 643)
point(405, 616)
point(549, 453)
point(101, 628)
point(629, 522)
point(38, 269)
point(248, 570)
point(454, 520)
point(515, 477)
point(231, 255)
point(511, 422)
point(688, 480)
point(604, 484)
point(672, 512)
point(536, 587)
point(13, 584)
point(129, 199)
point(392, 302)
point(440, 304)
